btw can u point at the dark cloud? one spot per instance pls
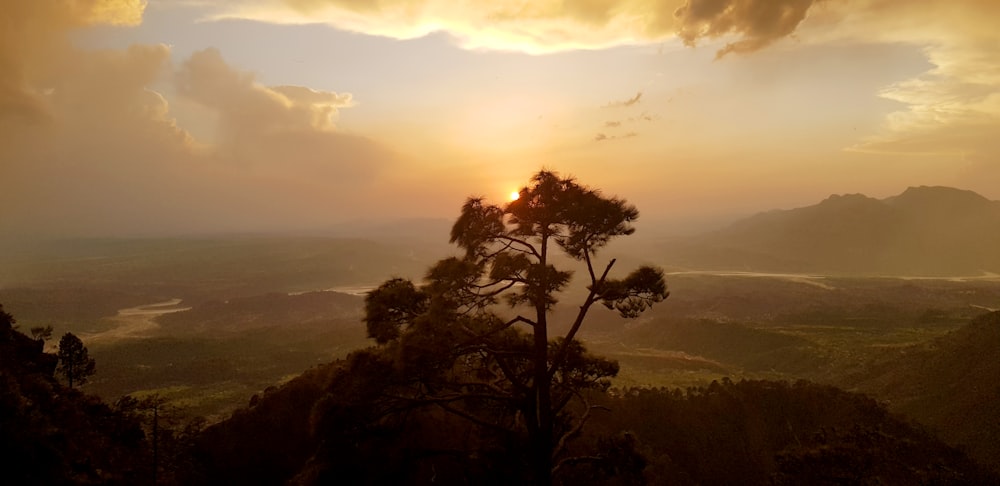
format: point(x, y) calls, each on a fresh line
point(758, 22)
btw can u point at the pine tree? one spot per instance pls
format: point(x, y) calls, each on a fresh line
point(75, 363)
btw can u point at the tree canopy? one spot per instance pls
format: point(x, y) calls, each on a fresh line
point(451, 343)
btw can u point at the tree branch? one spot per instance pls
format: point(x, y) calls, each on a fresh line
point(519, 319)
point(591, 298)
point(482, 337)
point(529, 247)
point(590, 266)
point(577, 428)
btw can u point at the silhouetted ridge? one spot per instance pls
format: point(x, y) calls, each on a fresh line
point(847, 200)
point(923, 197)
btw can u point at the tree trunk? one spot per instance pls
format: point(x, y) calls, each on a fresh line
point(542, 447)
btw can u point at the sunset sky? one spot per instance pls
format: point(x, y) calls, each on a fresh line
point(123, 117)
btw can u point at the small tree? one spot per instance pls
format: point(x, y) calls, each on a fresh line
point(41, 333)
point(75, 362)
point(465, 355)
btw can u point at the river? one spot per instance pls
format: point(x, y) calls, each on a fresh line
point(134, 322)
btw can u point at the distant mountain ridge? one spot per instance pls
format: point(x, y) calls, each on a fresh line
point(926, 230)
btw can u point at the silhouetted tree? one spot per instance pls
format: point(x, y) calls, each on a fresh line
point(40, 333)
point(75, 362)
point(498, 369)
point(7, 321)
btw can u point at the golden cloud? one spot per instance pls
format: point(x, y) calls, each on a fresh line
point(33, 39)
point(529, 26)
point(542, 26)
point(247, 108)
point(953, 108)
point(112, 12)
point(90, 146)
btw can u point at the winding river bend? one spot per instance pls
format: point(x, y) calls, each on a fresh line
point(134, 322)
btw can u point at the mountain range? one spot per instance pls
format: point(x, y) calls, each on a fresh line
point(925, 231)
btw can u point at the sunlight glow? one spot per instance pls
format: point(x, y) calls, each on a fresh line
point(514, 195)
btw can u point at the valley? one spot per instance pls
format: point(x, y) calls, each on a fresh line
point(210, 340)
point(226, 340)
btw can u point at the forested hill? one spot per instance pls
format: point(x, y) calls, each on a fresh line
point(323, 427)
point(923, 231)
point(951, 384)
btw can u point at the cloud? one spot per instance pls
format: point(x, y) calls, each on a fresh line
point(626, 103)
point(90, 145)
point(758, 23)
point(33, 33)
point(953, 108)
point(614, 125)
point(602, 137)
point(279, 130)
point(540, 26)
point(644, 116)
point(250, 109)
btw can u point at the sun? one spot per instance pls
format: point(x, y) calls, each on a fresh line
point(514, 195)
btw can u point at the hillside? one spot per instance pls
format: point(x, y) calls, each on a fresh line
point(751, 432)
point(945, 384)
point(53, 434)
point(923, 231)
